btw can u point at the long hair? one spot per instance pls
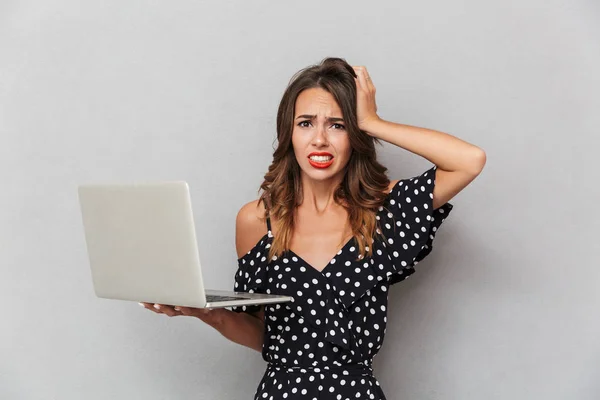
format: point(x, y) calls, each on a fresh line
point(363, 188)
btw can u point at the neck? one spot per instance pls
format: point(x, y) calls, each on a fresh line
point(318, 195)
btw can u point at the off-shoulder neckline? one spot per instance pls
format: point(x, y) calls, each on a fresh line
point(265, 238)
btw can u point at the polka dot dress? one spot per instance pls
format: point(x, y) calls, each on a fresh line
point(321, 345)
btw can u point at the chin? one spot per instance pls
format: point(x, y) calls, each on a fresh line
point(319, 175)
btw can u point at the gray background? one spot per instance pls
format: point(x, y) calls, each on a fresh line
point(506, 306)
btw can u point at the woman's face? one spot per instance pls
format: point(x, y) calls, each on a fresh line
point(319, 137)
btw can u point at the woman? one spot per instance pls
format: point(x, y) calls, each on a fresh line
point(332, 231)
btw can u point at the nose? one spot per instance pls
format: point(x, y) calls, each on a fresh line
point(320, 137)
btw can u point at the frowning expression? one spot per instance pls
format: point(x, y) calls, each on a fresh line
point(319, 137)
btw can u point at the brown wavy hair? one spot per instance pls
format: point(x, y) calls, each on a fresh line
point(364, 186)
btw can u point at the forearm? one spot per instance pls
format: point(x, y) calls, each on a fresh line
point(444, 150)
point(241, 328)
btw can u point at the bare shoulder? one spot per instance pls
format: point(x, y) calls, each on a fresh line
point(250, 227)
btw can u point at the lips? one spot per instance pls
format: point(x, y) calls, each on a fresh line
point(320, 164)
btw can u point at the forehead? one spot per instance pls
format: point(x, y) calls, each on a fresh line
point(317, 101)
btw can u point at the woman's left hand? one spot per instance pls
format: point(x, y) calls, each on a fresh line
point(365, 98)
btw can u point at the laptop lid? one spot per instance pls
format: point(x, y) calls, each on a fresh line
point(141, 242)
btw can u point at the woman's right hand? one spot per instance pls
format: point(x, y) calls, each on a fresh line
point(212, 316)
point(241, 328)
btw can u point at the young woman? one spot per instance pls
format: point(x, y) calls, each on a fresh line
point(332, 231)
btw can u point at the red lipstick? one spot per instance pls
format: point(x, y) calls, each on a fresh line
point(318, 164)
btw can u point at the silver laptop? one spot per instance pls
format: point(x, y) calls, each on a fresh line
point(142, 247)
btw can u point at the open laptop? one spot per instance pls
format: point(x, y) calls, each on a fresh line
point(141, 243)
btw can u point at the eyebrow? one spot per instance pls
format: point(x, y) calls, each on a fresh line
point(330, 119)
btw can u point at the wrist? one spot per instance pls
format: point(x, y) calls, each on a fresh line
point(216, 318)
point(372, 125)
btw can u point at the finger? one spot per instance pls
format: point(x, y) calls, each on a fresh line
point(192, 311)
point(359, 69)
point(188, 311)
point(366, 73)
point(358, 85)
point(150, 307)
point(368, 79)
point(170, 311)
point(362, 79)
point(165, 309)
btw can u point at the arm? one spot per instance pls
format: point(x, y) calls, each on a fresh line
point(458, 162)
point(243, 328)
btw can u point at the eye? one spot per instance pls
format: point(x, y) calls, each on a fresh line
point(339, 126)
point(303, 122)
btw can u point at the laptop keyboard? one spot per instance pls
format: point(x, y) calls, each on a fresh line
point(213, 298)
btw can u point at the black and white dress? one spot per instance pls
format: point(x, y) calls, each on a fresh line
point(321, 345)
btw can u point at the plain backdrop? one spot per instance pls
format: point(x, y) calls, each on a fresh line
point(505, 307)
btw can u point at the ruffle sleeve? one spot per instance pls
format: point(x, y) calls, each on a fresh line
point(251, 275)
point(409, 223)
